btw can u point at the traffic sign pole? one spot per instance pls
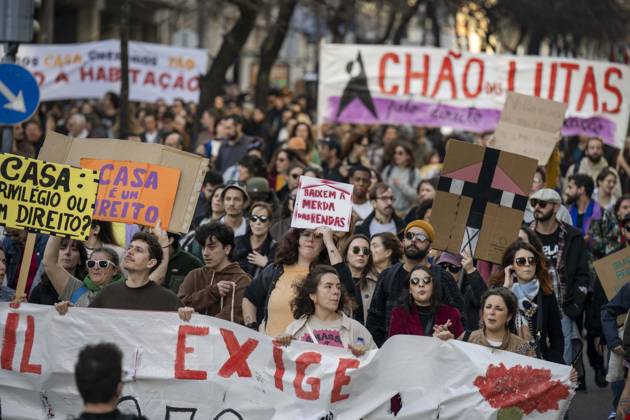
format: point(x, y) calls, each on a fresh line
point(7, 131)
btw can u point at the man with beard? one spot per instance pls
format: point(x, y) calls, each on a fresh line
point(233, 148)
point(567, 259)
point(382, 218)
point(235, 198)
point(360, 178)
point(593, 162)
point(582, 207)
point(418, 236)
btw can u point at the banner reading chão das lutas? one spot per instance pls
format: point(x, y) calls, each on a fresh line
point(91, 69)
point(385, 84)
point(46, 197)
point(213, 369)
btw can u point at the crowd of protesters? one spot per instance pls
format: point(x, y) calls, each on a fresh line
point(242, 261)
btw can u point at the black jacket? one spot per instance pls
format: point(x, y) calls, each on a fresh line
point(473, 287)
point(242, 248)
point(389, 289)
point(112, 415)
point(260, 288)
point(576, 272)
point(364, 227)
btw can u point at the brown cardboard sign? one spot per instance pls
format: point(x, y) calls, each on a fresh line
point(62, 149)
point(613, 271)
point(481, 196)
point(528, 126)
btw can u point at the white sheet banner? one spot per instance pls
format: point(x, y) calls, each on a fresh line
point(386, 84)
point(91, 69)
point(213, 369)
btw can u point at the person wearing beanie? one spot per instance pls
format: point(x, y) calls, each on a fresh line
point(393, 281)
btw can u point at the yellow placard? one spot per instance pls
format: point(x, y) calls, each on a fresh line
point(46, 197)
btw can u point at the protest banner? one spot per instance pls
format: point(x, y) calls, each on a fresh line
point(46, 197)
point(613, 271)
point(91, 69)
point(386, 84)
point(480, 200)
point(134, 192)
point(321, 202)
point(213, 369)
point(528, 126)
point(192, 168)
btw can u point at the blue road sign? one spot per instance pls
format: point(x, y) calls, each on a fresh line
point(19, 94)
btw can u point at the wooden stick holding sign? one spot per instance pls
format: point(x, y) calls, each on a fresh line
point(27, 254)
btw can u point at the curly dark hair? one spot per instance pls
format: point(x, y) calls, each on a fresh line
point(542, 274)
point(288, 248)
point(302, 303)
point(436, 295)
point(510, 304)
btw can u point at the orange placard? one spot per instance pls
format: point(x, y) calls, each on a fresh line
point(134, 192)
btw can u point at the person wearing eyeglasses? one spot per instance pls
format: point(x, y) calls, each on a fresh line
point(417, 238)
point(524, 272)
point(358, 257)
point(383, 217)
point(102, 270)
point(254, 250)
point(266, 305)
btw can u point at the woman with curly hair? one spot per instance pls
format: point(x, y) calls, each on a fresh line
point(266, 305)
point(319, 318)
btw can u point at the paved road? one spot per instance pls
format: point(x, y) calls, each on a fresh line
point(594, 403)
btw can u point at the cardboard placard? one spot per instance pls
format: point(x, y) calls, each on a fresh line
point(134, 192)
point(64, 149)
point(528, 126)
point(46, 197)
point(613, 271)
point(321, 202)
point(481, 196)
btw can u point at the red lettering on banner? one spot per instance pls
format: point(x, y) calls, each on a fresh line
point(237, 362)
point(100, 74)
point(114, 74)
point(39, 76)
point(410, 74)
point(164, 83)
point(381, 72)
point(180, 356)
point(193, 84)
point(149, 78)
point(341, 379)
point(481, 65)
point(86, 73)
point(511, 75)
point(612, 89)
point(61, 77)
point(25, 365)
point(134, 75)
point(570, 68)
point(538, 79)
point(552, 81)
point(8, 343)
point(446, 75)
point(303, 361)
point(277, 358)
point(179, 82)
point(588, 88)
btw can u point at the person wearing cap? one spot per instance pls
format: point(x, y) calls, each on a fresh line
point(329, 151)
point(417, 239)
point(234, 198)
point(298, 146)
point(382, 218)
point(258, 190)
point(567, 257)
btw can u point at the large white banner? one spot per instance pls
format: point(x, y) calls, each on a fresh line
point(213, 369)
point(387, 84)
point(91, 69)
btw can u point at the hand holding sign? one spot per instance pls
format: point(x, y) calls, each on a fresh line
point(320, 202)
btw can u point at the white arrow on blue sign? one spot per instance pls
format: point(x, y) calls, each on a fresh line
point(19, 94)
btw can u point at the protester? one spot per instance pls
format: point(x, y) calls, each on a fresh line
point(6, 294)
point(330, 154)
point(281, 227)
point(180, 263)
point(174, 140)
point(319, 318)
point(418, 236)
point(593, 163)
point(606, 235)
point(234, 198)
point(357, 256)
point(355, 151)
point(258, 191)
point(217, 288)
point(102, 234)
point(233, 148)
point(13, 244)
point(254, 250)
point(538, 183)
point(386, 251)
point(422, 311)
point(382, 218)
point(604, 193)
point(250, 167)
point(266, 305)
point(582, 208)
point(211, 181)
point(359, 177)
point(98, 375)
point(403, 178)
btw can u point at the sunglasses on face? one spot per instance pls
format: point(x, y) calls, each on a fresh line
point(356, 250)
point(522, 261)
point(262, 219)
point(420, 237)
point(420, 280)
point(101, 263)
point(539, 203)
point(451, 267)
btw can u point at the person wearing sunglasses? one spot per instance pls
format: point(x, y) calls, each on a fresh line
point(524, 272)
point(417, 238)
point(254, 250)
point(102, 270)
point(358, 257)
